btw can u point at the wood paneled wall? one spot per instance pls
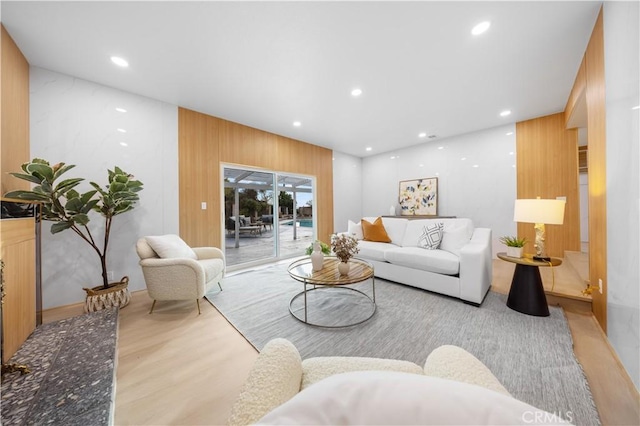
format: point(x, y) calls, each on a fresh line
point(14, 110)
point(204, 142)
point(18, 251)
point(597, 178)
point(547, 167)
point(576, 97)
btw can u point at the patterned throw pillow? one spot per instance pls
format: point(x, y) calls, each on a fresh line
point(431, 236)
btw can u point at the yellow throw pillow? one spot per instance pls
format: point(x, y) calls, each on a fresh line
point(375, 231)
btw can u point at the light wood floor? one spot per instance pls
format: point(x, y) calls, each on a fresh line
point(176, 367)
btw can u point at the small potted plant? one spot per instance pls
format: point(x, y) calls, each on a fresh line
point(316, 251)
point(514, 245)
point(345, 247)
point(69, 209)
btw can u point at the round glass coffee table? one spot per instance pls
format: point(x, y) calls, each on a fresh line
point(329, 279)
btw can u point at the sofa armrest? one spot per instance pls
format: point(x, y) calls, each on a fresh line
point(476, 269)
point(454, 363)
point(274, 379)
point(208, 253)
point(173, 279)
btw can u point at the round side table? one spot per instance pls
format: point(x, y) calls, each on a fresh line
point(527, 293)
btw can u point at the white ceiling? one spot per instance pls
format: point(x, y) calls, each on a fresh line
point(268, 64)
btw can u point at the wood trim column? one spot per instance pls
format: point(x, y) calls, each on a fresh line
point(596, 130)
point(14, 110)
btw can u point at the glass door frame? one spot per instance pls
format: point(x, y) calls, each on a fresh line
point(276, 222)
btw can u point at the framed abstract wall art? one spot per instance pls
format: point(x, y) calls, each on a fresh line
point(419, 197)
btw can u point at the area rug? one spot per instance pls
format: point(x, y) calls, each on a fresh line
point(532, 356)
point(71, 382)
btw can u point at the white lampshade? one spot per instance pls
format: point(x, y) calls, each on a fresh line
point(550, 212)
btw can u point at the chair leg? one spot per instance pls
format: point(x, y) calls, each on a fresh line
point(219, 285)
point(152, 306)
point(198, 303)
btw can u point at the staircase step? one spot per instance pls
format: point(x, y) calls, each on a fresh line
point(580, 263)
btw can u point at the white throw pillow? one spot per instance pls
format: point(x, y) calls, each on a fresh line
point(431, 236)
point(393, 398)
point(170, 247)
point(454, 238)
point(355, 229)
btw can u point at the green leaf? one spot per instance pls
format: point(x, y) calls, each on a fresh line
point(44, 170)
point(74, 205)
point(98, 188)
point(80, 218)
point(61, 226)
point(67, 184)
point(121, 178)
point(27, 195)
point(87, 196)
point(88, 206)
point(72, 193)
point(62, 169)
point(29, 178)
point(117, 187)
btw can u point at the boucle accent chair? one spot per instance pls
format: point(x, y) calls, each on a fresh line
point(174, 271)
point(279, 374)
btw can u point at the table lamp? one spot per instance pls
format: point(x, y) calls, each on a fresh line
point(539, 212)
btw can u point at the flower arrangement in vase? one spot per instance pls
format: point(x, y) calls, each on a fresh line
point(345, 247)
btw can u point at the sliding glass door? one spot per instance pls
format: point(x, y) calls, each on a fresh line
point(267, 216)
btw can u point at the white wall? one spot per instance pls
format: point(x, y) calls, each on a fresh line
point(622, 47)
point(347, 190)
point(75, 121)
point(485, 193)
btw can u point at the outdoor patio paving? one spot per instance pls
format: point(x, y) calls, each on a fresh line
point(260, 246)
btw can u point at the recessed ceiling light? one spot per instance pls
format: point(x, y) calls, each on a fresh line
point(511, 153)
point(509, 134)
point(437, 174)
point(636, 107)
point(122, 130)
point(368, 148)
point(119, 61)
point(393, 157)
point(463, 158)
point(441, 147)
point(505, 113)
point(422, 135)
point(421, 165)
point(121, 109)
point(297, 124)
point(476, 166)
point(356, 92)
point(480, 28)
point(124, 144)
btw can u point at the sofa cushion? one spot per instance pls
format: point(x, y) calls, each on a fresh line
point(455, 236)
point(355, 229)
point(395, 228)
point(375, 231)
point(431, 236)
point(438, 261)
point(372, 250)
point(170, 247)
point(414, 229)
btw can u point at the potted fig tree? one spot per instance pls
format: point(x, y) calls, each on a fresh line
point(69, 209)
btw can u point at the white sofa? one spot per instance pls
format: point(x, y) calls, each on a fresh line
point(461, 267)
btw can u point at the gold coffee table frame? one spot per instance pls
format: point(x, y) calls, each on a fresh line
point(359, 271)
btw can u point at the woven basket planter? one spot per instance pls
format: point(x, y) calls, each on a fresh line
point(117, 295)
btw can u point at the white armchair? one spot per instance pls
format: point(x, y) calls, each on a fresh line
point(174, 271)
